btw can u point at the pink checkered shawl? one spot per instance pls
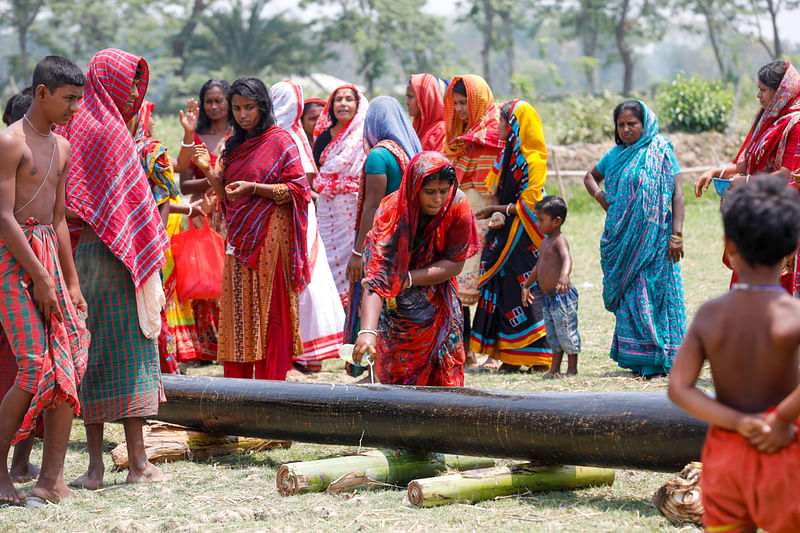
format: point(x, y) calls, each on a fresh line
point(106, 185)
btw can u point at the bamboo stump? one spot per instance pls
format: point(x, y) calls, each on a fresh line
point(368, 469)
point(477, 485)
point(168, 442)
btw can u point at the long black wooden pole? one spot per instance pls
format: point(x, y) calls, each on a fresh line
point(641, 430)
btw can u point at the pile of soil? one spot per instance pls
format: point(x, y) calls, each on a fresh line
point(692, 149)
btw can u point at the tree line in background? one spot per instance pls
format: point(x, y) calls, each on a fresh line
point(382, 41)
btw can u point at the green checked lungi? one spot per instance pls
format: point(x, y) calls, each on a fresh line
point(123, 379)
point(50, 354)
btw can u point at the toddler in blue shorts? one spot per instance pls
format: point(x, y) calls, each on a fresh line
point(560, 302)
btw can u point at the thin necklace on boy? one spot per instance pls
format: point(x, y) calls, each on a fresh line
point(748, 287)
point(46, 174)
point(48, 134)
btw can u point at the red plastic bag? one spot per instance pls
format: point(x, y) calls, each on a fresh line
point(199, 260)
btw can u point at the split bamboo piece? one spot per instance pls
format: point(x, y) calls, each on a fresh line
point(477, 485)
point(367, 469)
point(168, 442)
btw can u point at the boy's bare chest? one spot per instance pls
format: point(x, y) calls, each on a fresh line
point(37, 178)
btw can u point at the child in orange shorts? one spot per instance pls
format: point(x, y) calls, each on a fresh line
point(750, 336)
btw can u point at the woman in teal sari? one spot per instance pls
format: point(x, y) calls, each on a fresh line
point(642, 241)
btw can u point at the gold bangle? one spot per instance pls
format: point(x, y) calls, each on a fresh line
point(676, 238)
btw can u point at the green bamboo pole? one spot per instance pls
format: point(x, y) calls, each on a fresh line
point(477, 485)
point(367, 469)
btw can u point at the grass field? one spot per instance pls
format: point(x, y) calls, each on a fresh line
point(238, 493)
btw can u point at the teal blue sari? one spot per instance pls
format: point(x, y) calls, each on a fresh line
point(641, 286)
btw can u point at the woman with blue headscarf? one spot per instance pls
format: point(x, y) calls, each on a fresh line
point(642, 241)
point(390, 142)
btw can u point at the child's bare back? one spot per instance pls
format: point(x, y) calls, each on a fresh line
point(750, 338)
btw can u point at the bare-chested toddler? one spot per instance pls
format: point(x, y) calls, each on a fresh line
point(560, 302)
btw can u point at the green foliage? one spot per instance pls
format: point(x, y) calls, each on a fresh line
point(379, 31)
point(579, 119)
point(695, 104)
point(242, 38)
point(523, 87)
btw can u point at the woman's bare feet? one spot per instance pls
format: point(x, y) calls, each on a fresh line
point(23, 473)
point(55, 493)
point(505, 368)
point(92, 480)
point(491, 363)
point(552, 374)
point(470, 361)
point(149, 474)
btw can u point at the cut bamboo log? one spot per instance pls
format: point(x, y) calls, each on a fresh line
point(478, 485)
point(365, 470)
point(168, 442)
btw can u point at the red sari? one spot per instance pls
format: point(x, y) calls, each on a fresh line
point(774, 143)
point(421, 328)
point(266, 266)
point(429, 124)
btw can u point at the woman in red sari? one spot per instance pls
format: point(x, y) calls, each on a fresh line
point(772, 147)
point(265, 198)
point(425, 104)
point(410, 312)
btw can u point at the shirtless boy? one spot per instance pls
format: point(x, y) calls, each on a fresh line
point(750, 336)
point(21, 469)
point(38, 280)
point(552, 270)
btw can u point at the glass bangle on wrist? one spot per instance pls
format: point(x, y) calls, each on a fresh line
point(370, 331)
point(357, 254)
point(184, 145)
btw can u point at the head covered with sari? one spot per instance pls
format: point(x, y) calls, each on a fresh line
point(287, 105)
point(524, 158)
point(387, 120)
point(764, 147)
point(429, 124)
point(393, 246)
point(387, 126)
point(342, 160)
point(472, 145)
point(106, 186)
point(481, 124)
point(518, 176)
point(639, 186)
point(641, 285)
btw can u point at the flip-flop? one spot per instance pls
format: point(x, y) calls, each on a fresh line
point(34, 502)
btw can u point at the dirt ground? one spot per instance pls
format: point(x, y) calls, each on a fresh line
point(692, 150)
